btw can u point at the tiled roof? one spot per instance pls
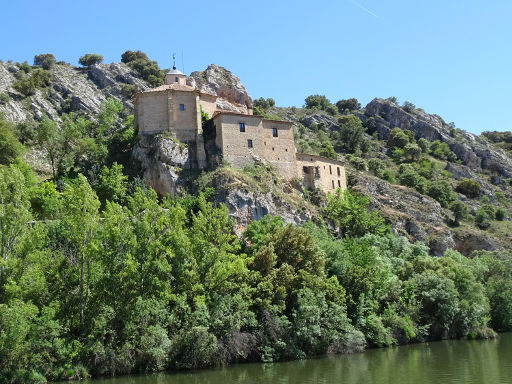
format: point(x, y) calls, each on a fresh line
point(174, 86)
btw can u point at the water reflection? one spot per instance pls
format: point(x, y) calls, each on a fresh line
point(440, 362)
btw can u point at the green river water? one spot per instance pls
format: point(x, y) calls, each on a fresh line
point(457, 361)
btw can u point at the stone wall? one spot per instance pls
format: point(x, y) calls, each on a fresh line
point(321, 172)
point(280, 150)
point(151, 112)
point(184, 123)
point(233, 143)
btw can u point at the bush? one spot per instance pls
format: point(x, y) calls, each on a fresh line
point(264, 103)
point(90, 59)
point(441, 191)
point(146, 68)
point(358, 163)
point(348, 105)
point(331, 110)
point(400, 138)
point(424, 144)
point(4, 98)
point(10, 147)
point(442, 151)
point(410, 178)
point(128, 90)
point(468, 187)
point(500, 214)
point(484, 215)
point(376, 166)
point(408, 107)
point(39, 78)
point(317, 102)
point(388, 176)
point(351, 136)
point(460, 210)
point(45, 60)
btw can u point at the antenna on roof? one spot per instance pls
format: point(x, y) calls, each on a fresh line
point(173, 60)
point(182, 61)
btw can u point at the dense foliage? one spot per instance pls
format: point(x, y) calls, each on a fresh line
point(89, 59)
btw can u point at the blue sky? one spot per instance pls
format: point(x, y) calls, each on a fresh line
point(451, 57)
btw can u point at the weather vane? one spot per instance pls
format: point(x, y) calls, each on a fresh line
point(173, 60)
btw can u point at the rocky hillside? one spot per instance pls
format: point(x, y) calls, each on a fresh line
point(404, 179)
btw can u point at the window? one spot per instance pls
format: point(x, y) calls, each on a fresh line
point(182, 107)
point(339, 174)
point(249, 143)
point(272, 148)
point(176, 79)
point(242, 127)
point(274, 132)
point(339, 183)
point(286, 150)
point(330, 171)
point(333, 184)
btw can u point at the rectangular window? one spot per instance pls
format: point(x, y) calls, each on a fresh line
point(242, 127)
point(330, 171)
point(175, 79)
point(274, 132)
point(339, 183)
point(249, 143)
point(182, 107)
point(339, 173)
point(333, 184)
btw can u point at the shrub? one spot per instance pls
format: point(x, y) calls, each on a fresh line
point(441, 191)
point(10, 147)
point(408, 106)
point(327, 150)
point(45, 60)
point(351, 136)
point(89, 59)
point(377, 166)
point(410, 178)
point(317, 102)
point(146, 68)
point(392, 99)
point(424, 144)
point(412, 152)
point(358, 163)
point(500, 214)
point(347, 105)
point(400, 138)
point(468, 187)
point(388, 176)
point(264, 103)
point(4, 98)
point(128, 90)
point(442, 151)
point(459, 209)
point(331, 110)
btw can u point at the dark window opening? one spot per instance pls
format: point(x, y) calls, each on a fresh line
point(286, 150)
point(242, 127)
point(333, 184)
point(339, 183)
point(274, 132)
point(339, 173)
point(176, 79)
point(330, 171)
point(249, 143)
point(182, 107)
point(272, 148)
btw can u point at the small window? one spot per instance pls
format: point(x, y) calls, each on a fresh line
point(330, 171)
point(272, 148)
point(339, 183)
point(339, 173)
point(182, 107)
point(176, 79)
point(333, 184)
point(274, 132)
point(242, 127)
point(249, 143)
point(286, 150)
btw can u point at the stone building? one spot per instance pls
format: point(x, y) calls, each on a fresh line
point(241, 138)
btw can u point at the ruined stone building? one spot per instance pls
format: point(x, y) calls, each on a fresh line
point(241, 138)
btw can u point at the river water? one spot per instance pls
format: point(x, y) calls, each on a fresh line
point(456, 361)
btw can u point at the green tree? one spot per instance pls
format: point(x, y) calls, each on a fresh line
point(348, 105)
point(350, 213)
point(112, 184)
point(14, 215)
point(45, 60)
point(351, 134)
point(408, 107)
point(10, 147)
point(460, 210)
point(317, 102)
point(399, 138)
point(90, 59)
point(50, 138)
point(327, 150)
point(468, 187)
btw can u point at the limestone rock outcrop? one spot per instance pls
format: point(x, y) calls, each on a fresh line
point(161, 159)
point(232, 95)
point(474, 151)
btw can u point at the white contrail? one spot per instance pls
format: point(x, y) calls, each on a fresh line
point(364, 9)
